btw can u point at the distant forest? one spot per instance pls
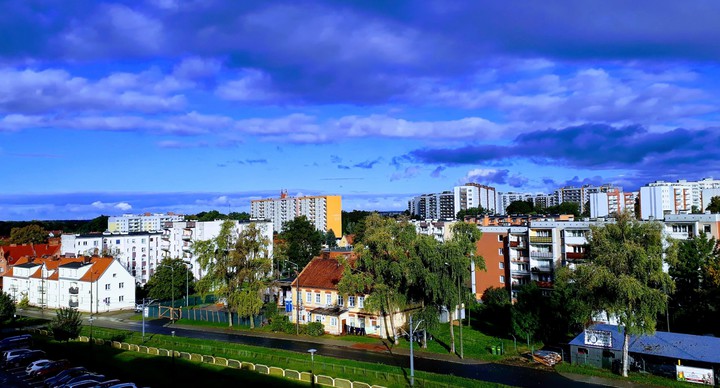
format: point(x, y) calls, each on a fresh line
point(98, 224)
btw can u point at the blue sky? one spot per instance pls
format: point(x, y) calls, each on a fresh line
point(186, 106)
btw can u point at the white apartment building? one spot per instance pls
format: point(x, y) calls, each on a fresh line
point(138, 252)
point(177, 239)
point(686, 226)
point(147, 222)
point(474, 195)
point(605, 204)
point(660, 198)
point(324, 212)
point(90, 284)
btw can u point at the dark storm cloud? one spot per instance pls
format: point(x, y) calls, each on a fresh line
point(662, 155)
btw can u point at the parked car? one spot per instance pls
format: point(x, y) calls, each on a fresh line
point(51, 369)
point(10, 354)
point(108, 383)
point(82, 384)
point(24, 359)
point(124, 385)
point(64, 376)
point(22, 341)
point(35, 365)
point(83, 377)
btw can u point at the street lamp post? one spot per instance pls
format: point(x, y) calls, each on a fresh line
point(312, 365)
point(299, 301)
point(187, 283)
point(412, 357)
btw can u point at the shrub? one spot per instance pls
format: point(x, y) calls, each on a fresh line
point(24, 301)
point(66, 324)
point(7, 307)
point(315, 329)
point(278, 323)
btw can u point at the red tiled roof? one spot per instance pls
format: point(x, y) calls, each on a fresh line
point(14, 252)
point(100, 265)
point(322, 272)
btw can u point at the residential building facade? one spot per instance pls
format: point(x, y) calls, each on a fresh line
point(323, 211)
point(473, 195)
point(438, 206)
point(90, 284)
point(129, 223)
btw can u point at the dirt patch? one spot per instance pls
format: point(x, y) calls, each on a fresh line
point(370, 347)
point(525, 362)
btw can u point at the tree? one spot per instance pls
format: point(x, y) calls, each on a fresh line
point(33, 233)
point(520, 207)
point(495, 318)
point(381, 267)
point(241, 216)
point(470, 212)
point(525, 313)
point(7, 307)
point(624, 275)
point(303, 241)
point(691, 304)
point(97, 224)
point(169, 280)
point(67, 324)
point(330, 239)
point(236, 266)
point(714, 205)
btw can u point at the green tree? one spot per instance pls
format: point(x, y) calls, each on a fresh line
point(7, 307)
point(624, 275)
point(714, 205)
point(330, 239)
point(565, 208)
point(520, 207)
point(350, 219)
point(33, 233)
point(470, 212)
point(66, 325)
point(212, 215)
point(241, 216)
point(168, 281)
point(495, 311)
point(691, 305)
point(303, 241)
point(381, 267)
point(97, 224)
point(525, 313)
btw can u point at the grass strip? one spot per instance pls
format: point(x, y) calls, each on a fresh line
point(380, 374)
point(636, 377)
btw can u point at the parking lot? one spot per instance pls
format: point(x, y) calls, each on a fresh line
point(16, 377)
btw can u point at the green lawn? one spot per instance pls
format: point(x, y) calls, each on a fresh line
point(643, 378)
point(380, 374)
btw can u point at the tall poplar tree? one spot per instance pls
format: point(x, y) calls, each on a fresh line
point(624, 272)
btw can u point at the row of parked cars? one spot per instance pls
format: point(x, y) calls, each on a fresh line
point(16, 354)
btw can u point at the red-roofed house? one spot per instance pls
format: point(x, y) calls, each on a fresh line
point(9, 254)
point(321, 301)
point(87, 283)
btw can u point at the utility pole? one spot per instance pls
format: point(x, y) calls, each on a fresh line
point(299, 301)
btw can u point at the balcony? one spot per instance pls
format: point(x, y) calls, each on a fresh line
point(165, 245)
point(575, 255)
point(520, 259)
point(187, 248)
point(73, 290)
point(542, 269)
point(541, 255)
point(517, 244)
point(542, 284)
point(519, 272)
point(73, 303)
point(541, 239)
point(187, 235)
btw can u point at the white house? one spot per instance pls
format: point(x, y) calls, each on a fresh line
point(91, 284)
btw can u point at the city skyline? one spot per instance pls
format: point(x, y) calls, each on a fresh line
point(161, 105)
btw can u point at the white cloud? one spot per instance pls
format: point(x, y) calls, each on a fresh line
point(124, 206)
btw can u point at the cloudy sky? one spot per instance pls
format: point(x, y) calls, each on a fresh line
point(165, 105)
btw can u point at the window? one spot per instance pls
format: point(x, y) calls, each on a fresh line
point(582, 351)
point(107, 286)
point(340, 300)
point(333, 321)
point(122, 298)
point(121, 285)
point(502, 279)
point(117, 242)
point(500, 251)
point(500, 238)
point(361, 301)
point(501, 265)
point(317, 297)
point(351, 301)
point(707, 229)
point(328, 299)
point(308, 297)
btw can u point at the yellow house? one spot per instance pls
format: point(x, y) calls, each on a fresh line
point(321, 301)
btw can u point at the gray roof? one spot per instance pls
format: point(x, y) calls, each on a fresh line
point(663, 344)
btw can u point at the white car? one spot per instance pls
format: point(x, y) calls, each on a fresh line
point(35, 365)
point(10, 354)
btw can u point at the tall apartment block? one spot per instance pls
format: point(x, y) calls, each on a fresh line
point(472, 195)
point(128, 223)
point(324, 211)
point(440, 206)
